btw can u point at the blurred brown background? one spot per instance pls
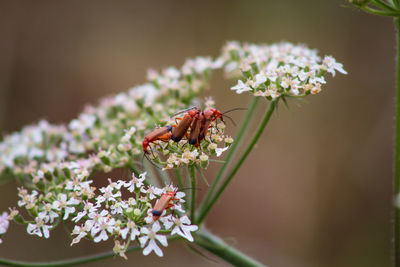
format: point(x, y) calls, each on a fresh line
point(315, 192)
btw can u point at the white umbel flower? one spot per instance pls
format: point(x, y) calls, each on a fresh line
point(151, 236)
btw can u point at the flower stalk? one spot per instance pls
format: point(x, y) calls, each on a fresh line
point(224, 251)
point(396, 182)
point(74, 261)
point(192, 175)
point(391, 9)
point(202, 215)
point(231, 153)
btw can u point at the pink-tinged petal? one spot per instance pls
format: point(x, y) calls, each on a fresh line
point(135, 232)
point(153, 246)
point(167, 224)
point(156, 248)
point(102, 236)
point(185, 220)
point(180, 194)
point(177, 230)
point(156, 227)
point(147, 250)
point(162, 239)
point(144, 230)
point(32, 230)
point(46, 232)
point(143, 240)
point(124, 232)
point(190, 227)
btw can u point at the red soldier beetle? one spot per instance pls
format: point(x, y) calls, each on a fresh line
point(163, 203)
point(195, 129)
point(180, 130)
point(162, 134)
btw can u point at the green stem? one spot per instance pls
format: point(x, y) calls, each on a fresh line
point(232, 149)
point(74, 261)
point(396, 182)
point(226, 252)
point(164, 176)
point(384, 5)
point(192, 174)
point(254, 140)
point(69, 262)
point(179, 178)
point(380, 12)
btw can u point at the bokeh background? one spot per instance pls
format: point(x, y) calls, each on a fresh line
point(315, 192)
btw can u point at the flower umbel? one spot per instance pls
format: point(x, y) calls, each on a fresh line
point(276, 70)
point(56, 165)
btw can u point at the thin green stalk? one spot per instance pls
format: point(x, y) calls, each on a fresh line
point(178, 176)
point(267, 116)
point(183, 174)
point(396, 182)
point(74, 261)
point(226, 252)
point(68, 262)
point(380, 12)
point(192, 174)
point(232, 150)
point(164, 176)
point(384, 5)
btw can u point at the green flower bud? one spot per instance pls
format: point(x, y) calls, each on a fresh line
point(204, 161)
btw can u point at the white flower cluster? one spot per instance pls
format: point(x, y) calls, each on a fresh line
point(20, 148)
point(107, 215)
point(57, 162)
point(184, 83)
point(4, 223)
point(277, 70)
point(182, 153)
point(114, 129)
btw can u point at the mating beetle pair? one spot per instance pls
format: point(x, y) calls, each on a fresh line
point(198, 121)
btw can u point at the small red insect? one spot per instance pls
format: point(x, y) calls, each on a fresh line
point(209, 115)
point(162, 134)
point(163, 203)
point(198, 121)
point(195, 129)
point(180, 130)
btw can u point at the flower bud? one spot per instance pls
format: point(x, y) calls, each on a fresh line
point(104, 157)
point(107, 168)
point(121, 147)
point(246, 69)
point(228, 140)
point(221, 126)
point(212, 147)
point(18, 218)
point(203, 160)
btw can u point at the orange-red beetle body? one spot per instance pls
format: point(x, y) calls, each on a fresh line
point(180, 130)
point(209, 115)
point(162, 134)
point(195, 129)
point(163, 203)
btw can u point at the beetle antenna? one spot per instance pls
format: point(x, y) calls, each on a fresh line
point(152, 163)
point(230, 120)
point(233, 110)
point(184, 110)
point(186, 188)
point(143, 160)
